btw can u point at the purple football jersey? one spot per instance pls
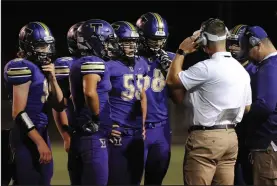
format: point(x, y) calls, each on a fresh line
point(19, 71)
point(62, 69)
point(127, 81)
point(81, 67)
point(156, 91)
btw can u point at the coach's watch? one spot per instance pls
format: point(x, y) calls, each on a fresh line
point(181, 52)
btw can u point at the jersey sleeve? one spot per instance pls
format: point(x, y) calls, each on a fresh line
point(18, 71)
point(62, 67)
point(92, 65)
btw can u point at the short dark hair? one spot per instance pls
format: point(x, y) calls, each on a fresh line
point(216, 27)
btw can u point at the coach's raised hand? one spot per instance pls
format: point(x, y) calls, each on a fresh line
point(189, 45)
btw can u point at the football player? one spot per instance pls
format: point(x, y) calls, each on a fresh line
point(30, 76)
point(153, 30)
point(90, 85)
point(128, 102)
point(236, 44)
point(64, 120)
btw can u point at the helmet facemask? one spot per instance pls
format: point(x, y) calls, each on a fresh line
point(155, 44)
point(98, 46)
point(41, 52)
point(129, 48)
point(234, 46)
point(151, 45)
point(111, 47)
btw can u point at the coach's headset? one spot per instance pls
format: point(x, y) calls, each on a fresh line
point(204, 37)
point(251, 39)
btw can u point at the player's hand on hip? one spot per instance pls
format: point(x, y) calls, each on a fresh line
point(50, 70)
point(44, 152)
point(115, 133)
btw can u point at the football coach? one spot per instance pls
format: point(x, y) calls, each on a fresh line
point(220, 93)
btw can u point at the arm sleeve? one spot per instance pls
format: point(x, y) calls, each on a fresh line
point(194, 76)
point(18, 71)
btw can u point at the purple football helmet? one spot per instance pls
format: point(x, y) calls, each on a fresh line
point(37, 42)
point(236, 43)
point(96, 37)
point(153, 31)
point(72, 38)
point(127, 37)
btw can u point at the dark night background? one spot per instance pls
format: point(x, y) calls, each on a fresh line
point(183, 17)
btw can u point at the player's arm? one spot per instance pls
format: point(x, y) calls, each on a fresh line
point(20, 97)
point(60, 118)
point(19, 74)
point(92, 70)
point(143, 100)
point(62, 69)
point(56, 99)
point(90, 82)
point(62, 125)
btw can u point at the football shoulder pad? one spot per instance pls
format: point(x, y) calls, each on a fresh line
point(19, 71)
point(62, 67)
point(92, 65)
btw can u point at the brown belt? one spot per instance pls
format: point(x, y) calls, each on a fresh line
point(199, 127)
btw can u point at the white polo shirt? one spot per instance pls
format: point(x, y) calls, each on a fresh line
point(219, 89)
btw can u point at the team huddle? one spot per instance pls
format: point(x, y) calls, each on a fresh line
point(109, 101)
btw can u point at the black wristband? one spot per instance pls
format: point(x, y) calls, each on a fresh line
point(59, 107)
point(181, 52)
point(22, 119)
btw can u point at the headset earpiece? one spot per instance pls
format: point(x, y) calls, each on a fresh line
point(252, 40)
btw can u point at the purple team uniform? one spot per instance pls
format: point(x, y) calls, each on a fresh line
point(158, 135)
point(28, 170)
point(62, 70)
point(126, 153)
point(88, 155)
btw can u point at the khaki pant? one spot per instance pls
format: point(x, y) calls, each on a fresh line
point(265, 167)
point(210, 157)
